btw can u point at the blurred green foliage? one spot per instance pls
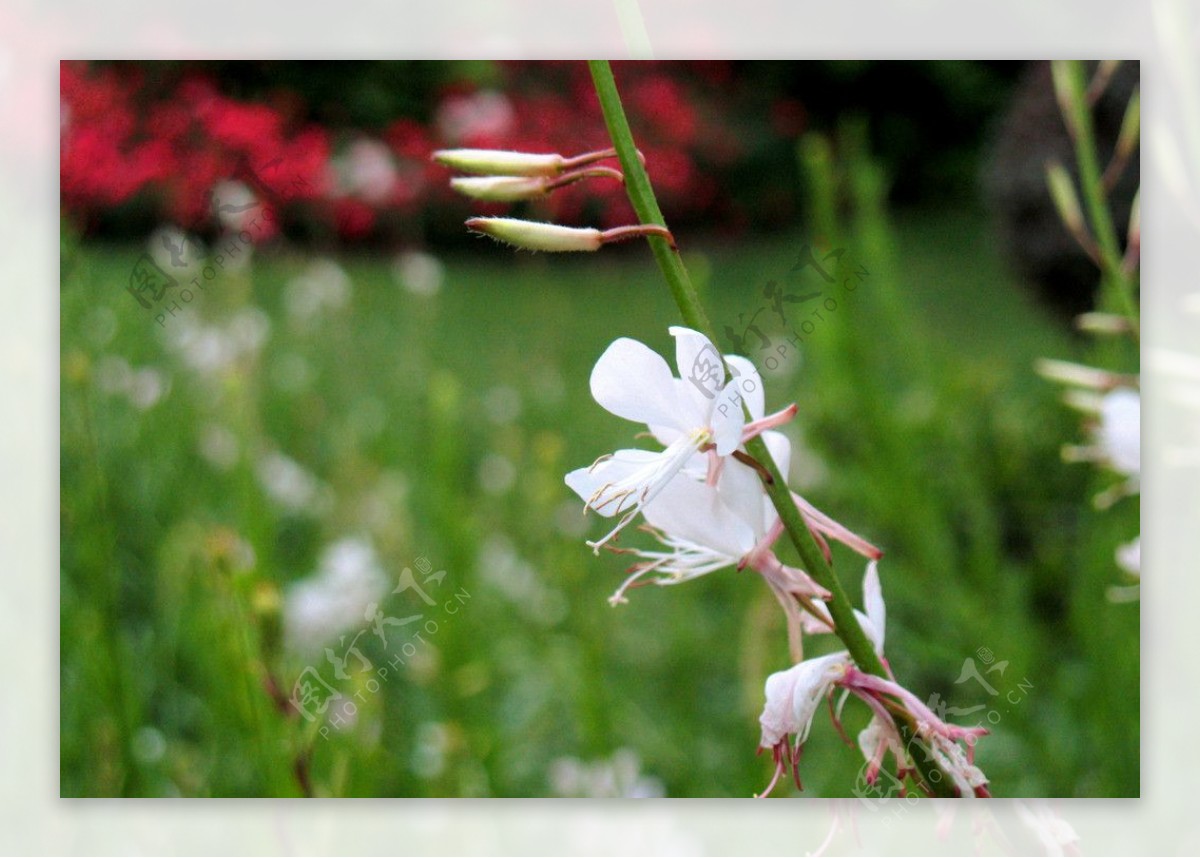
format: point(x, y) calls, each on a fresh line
point(926, 430)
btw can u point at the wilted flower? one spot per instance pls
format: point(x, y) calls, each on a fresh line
point(793, 695)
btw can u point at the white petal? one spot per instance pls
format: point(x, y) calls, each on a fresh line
point(781, 450)
point(741, 489)
point(632, 381)
point(665, 434)
point(1120, 430)
point(728, 418)
point(876, 610)
point(701, 369)
point(585, 482)
point(690, 509)
point(749, 384)
point(793, 696)
point(1129, 556)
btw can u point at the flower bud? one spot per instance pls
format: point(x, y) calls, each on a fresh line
point(500, 189)
point(1062, 191)
point(498, 162)
point(531, 235)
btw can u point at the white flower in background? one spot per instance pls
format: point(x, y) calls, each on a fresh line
point(501, 567)
point(334, 600)
point(234, 205)
point(366, 169)
point(219, 446)
point(142, 388)
point(178, 253)
point(1119, 435)
point(210, 349)
point(502, 405)
point(322, 286)
point(1129, 557)
point(485, 113)
point(419, 273)
point(289, 484)
point(694, 413)
point(1114, 406)
point(618, 777)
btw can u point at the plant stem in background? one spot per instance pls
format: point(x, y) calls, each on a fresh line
point(641, 196)
point(1117, 283)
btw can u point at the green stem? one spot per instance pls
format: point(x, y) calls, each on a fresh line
point(641, 195)
point(1118, 285)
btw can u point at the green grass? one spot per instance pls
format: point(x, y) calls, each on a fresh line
point(928, 431)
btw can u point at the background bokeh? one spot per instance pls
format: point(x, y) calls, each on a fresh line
point(361, 389)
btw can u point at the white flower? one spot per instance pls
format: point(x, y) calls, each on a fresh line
point(332, 602)
point(1129, 557)
point(365, 170)
point(1119, 434)
point(485, 113)
point(793, 696)
point(323, 285)
point(690, 414)
point(418, 272)
point(706, 528)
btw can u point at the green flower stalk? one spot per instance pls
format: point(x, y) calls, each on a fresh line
point(847, 627)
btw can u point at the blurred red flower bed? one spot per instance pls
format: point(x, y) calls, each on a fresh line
point(135, 149)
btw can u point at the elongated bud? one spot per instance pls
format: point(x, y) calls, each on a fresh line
point(511, 189)
point(499, 162)
point(531, 235)
point(1101, 78)
point(1067, 86)
point(1133, 247)
point(1077, 374)
point(553, 238)
point(1062, 191)
point(1103, 323)
point(1131, 125)
point(500, 189)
